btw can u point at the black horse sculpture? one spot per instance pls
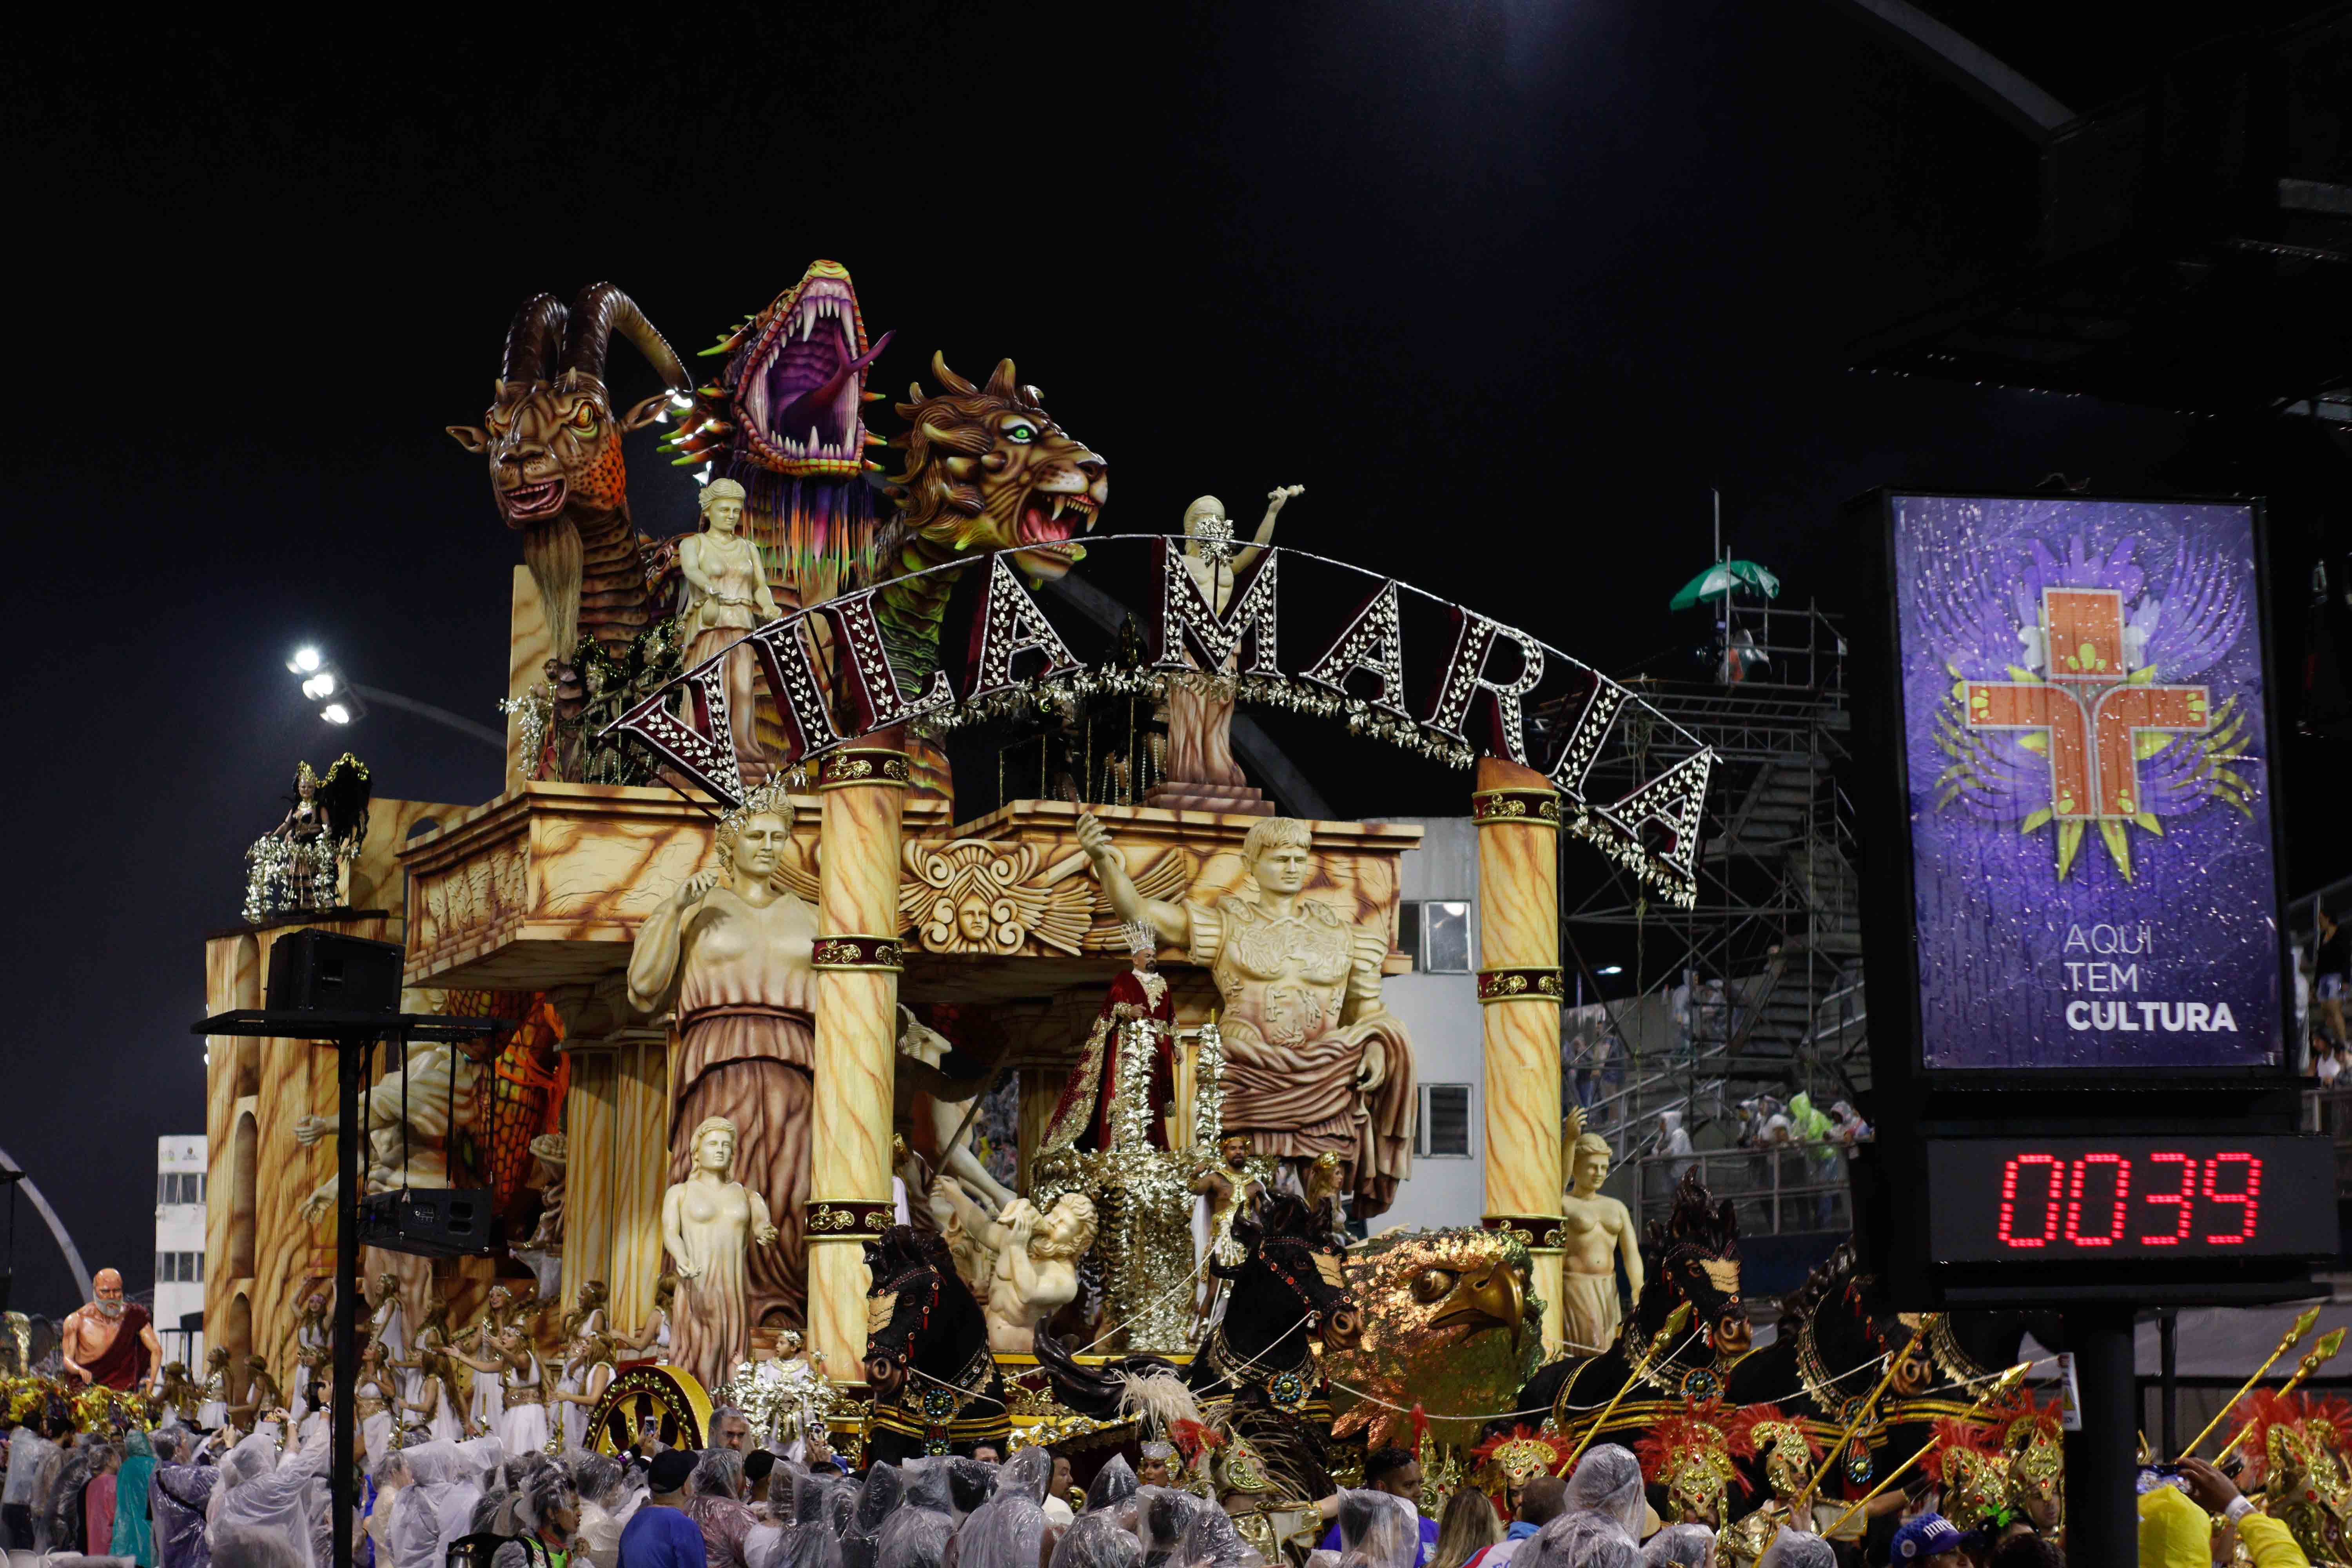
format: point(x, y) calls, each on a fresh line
point(1256, 1369)
point(1694, 1259)
point(936, 1387)
point(1830, 1349)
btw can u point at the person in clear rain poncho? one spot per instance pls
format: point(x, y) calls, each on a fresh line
point(1113, 1483)
point(1795, 1548)
point(1009, 1532)
point(1162, 1515)
point(285, 1499)
point(1030, 1471)
point(718, 1508)
point(917, 1535)
point(1608, 1481)
point(810, 1541)
point(1211, 1539)
point(437, 1506)
point(546, 1516)
point(610, 1496)
point(1096, 1538)
point(1680, 1546)
point(878, 1500)
point(1376, 1530)
point(391, 1477)
point(1587, 1540)
point(182, 1492)
point(251, 1546)
point(971, 1482)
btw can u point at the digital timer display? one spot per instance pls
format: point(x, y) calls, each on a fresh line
point(2071, 1199)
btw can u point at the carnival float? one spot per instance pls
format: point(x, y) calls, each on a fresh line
point(914, 1030)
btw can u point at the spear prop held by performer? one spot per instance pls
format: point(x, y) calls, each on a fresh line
point(1860, 1416)
point(2002, 1387)
point(2302, 1326)
point(2320, 1355)
point(1676, 1320)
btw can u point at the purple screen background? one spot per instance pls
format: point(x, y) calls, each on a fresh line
point(1992, 916)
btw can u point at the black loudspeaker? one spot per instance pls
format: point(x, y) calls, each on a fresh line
point(320, 972)
point(431, 1222)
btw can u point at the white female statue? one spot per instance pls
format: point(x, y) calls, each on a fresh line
point(1200, 704)
point(707, 1220)
point(731, 953)
point(726, 597)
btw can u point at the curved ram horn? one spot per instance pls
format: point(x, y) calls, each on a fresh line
point(601, 310)
point(535, 340)
point(948, 378)
point(1006, 383)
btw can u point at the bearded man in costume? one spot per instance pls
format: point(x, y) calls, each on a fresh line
point(110, 1343)
point(1315, 1062)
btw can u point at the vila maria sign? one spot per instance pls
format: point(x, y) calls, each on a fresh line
point(978, 636)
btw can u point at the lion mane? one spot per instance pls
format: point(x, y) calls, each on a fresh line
point(947, 434)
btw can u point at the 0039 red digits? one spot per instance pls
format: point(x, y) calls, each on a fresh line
point(2184, 1201)
point(2057, 1169)
point(2251, 1196)
point(2120, 1199)
point(2063, 1199)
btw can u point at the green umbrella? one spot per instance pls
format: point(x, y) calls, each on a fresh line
point(1724, 579)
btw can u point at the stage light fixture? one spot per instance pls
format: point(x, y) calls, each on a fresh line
point(306, 661)
point(1611, 968)
point(335, 713)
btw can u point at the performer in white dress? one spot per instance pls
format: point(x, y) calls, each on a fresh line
point(212, 1413)
point(587, 1370)
point(488, 1400)
point(522, 1426)
point(523, 1415)
point(375, 1393)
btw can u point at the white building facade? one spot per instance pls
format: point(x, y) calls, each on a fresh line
point(180, 1164)
point(1438, 1003)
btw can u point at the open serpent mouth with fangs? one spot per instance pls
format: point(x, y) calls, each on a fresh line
point(800, 384)
point(530, 501)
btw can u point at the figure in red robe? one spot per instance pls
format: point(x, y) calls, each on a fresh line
point(110, 1342)
point(1082, 1118)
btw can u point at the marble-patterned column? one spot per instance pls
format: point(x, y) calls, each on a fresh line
point(857, 961)
point(1518, 814)
point(616, 1127)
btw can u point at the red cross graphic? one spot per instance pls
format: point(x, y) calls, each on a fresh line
point(2092, 719)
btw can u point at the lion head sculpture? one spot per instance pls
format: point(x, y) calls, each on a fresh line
point(987, 468)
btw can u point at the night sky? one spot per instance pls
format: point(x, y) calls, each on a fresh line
point(1506, 286)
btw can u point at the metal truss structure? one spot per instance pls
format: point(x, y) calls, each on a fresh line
point(1757, 990)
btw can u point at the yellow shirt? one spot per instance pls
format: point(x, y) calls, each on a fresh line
point(2174, 1533)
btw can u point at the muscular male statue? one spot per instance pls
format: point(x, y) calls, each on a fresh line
point(111, 1341)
